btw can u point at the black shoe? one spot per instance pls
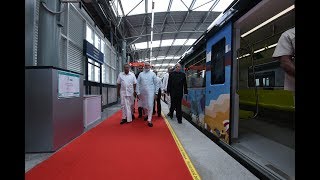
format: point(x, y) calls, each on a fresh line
point(170, 115)
point(123, 121)
point(180, 122)
point(140, 112)
point(150, 124)
point(145, 118)
point(133, 116)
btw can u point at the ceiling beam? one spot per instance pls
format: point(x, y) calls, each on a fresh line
point(172, 32)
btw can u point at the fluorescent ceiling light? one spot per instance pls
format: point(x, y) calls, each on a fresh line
point(268, 21)
point(164, 64)
point(165, 43)
point(259, 50)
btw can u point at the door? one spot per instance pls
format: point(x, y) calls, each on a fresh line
point(218, 82)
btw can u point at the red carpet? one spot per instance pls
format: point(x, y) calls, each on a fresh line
point(114, 151)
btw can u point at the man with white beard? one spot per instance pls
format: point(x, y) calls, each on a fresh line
point(147, 90)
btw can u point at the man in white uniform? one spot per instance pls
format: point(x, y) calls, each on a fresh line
point(285, 52)
point(147, 91)
point(165, 84)
point(126, 90)
point(157, 101)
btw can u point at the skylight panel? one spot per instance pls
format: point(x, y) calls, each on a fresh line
point(222, 5)
point(177, 5)
point(203, 5)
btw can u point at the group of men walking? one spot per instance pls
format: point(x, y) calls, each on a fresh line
point(146, 88)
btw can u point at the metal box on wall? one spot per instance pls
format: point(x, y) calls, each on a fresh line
point(53, 108)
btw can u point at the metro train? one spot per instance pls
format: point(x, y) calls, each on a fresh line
point(235, 86)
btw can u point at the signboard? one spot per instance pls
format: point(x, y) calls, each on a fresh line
point(92, 52)
point(68, 84)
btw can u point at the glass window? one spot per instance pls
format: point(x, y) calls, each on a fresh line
point(257, 82)
point(97, 41)
point(90, 72)
point(89, 35)
point(218, 62)
point(96, 74)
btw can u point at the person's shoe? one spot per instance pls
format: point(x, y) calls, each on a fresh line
point(180, 122)
point(123, 121)
point(133, 116)
point(150, 124)
point(140, 112)
point(170, 115)
point(145, 118)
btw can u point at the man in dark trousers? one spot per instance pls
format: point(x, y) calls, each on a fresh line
point(177, 86)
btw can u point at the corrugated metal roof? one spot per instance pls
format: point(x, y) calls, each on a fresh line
point(174, 21)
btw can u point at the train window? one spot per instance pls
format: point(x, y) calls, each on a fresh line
point(268, 75)
point(218, 62)
point(196, 73)
point(257, 82)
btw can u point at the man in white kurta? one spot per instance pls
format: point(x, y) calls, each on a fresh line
point(165, 84)
point(147, 90)
point(157, 101)
point(126, 90)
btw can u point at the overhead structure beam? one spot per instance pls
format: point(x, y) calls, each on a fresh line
point(174, 39)
point(134, 8)
point(202, 5)
point(172, 32)
point(204, 18)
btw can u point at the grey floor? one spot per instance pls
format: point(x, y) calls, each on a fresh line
point(269, 145)
point(209, 159)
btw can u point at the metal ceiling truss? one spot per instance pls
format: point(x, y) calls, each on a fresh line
point(130, 29)
point(174, 39)
point(204, 18)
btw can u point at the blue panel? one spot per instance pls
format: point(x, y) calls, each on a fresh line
point(218, 89)
point(92, 52)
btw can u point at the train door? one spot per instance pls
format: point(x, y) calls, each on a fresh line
point(218, 83)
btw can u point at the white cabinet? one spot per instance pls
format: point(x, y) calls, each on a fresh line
point(91, 109)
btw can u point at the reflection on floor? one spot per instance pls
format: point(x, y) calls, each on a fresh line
point(269, 145)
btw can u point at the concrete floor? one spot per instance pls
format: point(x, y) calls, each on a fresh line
point(269, 145)
point(210, 160)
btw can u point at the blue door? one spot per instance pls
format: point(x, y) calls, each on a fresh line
point(218, 81)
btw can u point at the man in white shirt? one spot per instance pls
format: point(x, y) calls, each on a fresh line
point(285, 52)
point(165, 84)
point(157, 101)
point(126, 90)
point(147, 90)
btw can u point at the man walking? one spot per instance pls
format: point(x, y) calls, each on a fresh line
point(147, 91)
point(157, 101)
point(177, 86)
point(126, 90)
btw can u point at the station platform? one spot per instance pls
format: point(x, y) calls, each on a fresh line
point(195, 156)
